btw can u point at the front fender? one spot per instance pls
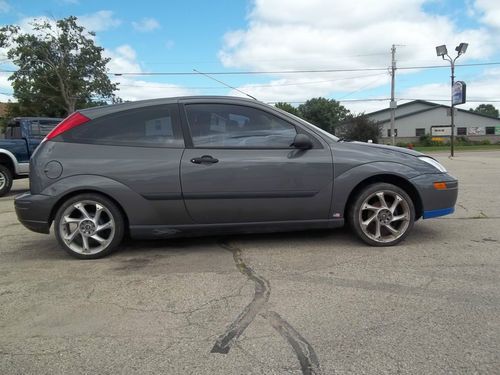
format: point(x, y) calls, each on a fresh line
point(345, 183)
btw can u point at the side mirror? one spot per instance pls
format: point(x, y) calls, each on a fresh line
point(302, 142)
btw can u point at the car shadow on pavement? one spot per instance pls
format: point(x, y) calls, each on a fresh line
point(46, 247)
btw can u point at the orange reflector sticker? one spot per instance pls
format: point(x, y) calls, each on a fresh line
point(440, 185)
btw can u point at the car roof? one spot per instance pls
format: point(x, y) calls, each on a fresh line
point(95, 112)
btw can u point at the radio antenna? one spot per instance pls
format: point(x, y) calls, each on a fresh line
point(225, 84)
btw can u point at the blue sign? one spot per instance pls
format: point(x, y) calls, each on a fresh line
point(459, 93)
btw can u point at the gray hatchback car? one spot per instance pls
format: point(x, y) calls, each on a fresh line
point(215, 165)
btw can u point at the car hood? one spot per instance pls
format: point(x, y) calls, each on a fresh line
point(389, 148)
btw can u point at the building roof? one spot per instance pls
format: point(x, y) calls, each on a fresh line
point(431, 106)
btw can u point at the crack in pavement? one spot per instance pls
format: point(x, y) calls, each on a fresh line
point(305, 353)
point(260, 299)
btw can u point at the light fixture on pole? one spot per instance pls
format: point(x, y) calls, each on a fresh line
point(443, 52)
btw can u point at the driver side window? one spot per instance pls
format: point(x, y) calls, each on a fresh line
point(235, 126)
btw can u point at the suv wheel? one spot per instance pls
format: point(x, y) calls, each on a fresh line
point(382, 214)
point(5, 180)
point(89, 226)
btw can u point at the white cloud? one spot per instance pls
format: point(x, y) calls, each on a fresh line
point(99, 21)
point(489, 12)
point(5, 87)
point(137, 89)
point(124, 60)
point(146, 25)
point(326, 34)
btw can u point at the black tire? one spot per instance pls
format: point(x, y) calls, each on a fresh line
point(5, 180)
point(406, 208)
point(113, 211)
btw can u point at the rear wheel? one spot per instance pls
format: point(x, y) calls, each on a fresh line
point(382, 214)
point(89, 226)
point(5, 180)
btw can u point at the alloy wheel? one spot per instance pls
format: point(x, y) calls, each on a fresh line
point(3, 180)
point(384, 216)
point(87, 227)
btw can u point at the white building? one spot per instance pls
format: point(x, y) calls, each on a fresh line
point(417, 118)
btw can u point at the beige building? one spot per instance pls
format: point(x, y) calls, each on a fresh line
point(417, 118)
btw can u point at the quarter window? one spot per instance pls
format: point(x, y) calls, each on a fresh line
point(234, 126)
point(155, 126)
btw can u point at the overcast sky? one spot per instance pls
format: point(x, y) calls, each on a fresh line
point(277, 35)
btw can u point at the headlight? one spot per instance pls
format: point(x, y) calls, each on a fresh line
point(434, 163)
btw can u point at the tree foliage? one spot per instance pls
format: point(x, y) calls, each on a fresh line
point(486, 109)
point(324, 113)
point(361, 128)
point(60, 68)
point(288, 108)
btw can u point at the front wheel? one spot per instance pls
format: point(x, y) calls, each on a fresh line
point(382, 214)
point(5, 180)
point(89, 226)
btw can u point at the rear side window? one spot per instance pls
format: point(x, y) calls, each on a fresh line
point(40, 128)
point(235, 126)
point(156, 126)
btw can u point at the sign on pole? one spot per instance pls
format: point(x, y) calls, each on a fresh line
point(459, 92)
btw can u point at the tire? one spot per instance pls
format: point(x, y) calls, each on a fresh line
point(89, 226)
point(394, 215)
point(5, 180)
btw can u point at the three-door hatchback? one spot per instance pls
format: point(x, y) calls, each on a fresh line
point(213, 165)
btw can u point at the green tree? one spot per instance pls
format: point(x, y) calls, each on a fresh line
point(324, 113)
point(288, 108)
point(60, 68)
point(486, 109)
point(361, 128)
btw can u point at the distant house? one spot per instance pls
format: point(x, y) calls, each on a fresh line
point(419, 117)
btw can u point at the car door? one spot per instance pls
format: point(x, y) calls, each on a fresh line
point(238, 166)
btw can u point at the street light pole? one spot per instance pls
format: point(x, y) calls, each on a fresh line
point(442, 51)
point(452, 140)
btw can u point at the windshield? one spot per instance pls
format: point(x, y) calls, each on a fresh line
point(315, 128)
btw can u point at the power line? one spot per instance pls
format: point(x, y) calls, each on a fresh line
point(302, 71)
point(257, 72)
point(259, 86)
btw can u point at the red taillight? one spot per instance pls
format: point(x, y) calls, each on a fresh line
point(69, 122)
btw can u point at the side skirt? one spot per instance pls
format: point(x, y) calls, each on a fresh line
point(195, 230)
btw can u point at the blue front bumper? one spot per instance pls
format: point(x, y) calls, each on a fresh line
point(435, 213)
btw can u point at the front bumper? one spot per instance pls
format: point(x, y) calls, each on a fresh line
point(436, 202)
point(34, 211)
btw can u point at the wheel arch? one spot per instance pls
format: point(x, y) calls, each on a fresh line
point(6, 160)
point(74, 193)
point(393, 179)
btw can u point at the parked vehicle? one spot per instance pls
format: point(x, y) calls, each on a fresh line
point(22, 136)
point(212, 165)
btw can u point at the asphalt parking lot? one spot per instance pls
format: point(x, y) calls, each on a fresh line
point(316, 302)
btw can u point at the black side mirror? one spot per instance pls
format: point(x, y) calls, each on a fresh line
point(302, 142)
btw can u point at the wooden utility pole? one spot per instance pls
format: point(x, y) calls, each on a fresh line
point(393, 104)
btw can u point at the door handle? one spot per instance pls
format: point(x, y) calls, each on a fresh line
point(205, 159)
